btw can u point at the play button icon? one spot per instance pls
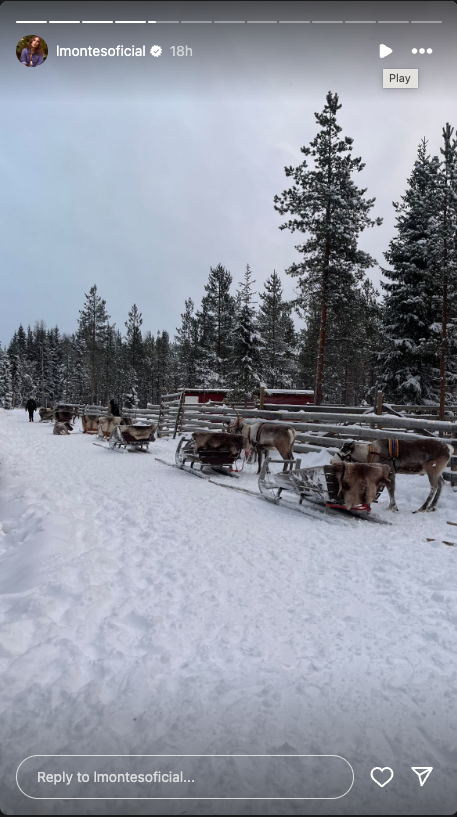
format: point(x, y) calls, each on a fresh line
point(384, 51)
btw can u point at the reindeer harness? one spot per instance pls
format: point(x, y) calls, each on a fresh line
point(393, 455)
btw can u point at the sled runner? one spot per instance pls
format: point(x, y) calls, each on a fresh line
point(318, 485)
point(216, 451)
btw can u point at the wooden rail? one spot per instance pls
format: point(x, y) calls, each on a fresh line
point(316, 427)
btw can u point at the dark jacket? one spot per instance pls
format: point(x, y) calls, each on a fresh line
point(114, 408)
point(31, 405)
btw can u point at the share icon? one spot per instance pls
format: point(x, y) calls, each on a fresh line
point(423, 773)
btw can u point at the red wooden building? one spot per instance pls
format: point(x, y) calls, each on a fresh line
point(204, 395)
point(286, 397)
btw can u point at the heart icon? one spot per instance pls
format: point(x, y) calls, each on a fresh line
point(382, 782)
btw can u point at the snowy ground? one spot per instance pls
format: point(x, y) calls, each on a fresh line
point(143, 610)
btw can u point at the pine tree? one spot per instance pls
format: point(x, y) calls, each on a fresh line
point(21, 369)
point(6, 386)
point(53, 386)
point(130, 398)
point(246, 342)
point(149, 370)
point(445, 258)
point(187, 347)
point(66, 368)
point(325, 204)
point(407, 360)
point(276, 328)
point(418, 357)
point(215, 325)
point(92, 324)
point(119, 369)
point(134, 339)
point(162, 364)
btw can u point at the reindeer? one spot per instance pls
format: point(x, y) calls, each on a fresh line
point(428, 456)
point(359, 483)
point(62, 428)
point(264, 437)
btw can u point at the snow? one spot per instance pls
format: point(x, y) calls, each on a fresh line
point(289, 391)
point(143, 610)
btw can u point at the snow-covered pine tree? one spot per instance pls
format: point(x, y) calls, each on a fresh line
point(119, 370)
point(22, 368)
point(359, 340)
point(186, 340)
point(130, 397)
point(444, 255)
point(327, 206)
point(53, 384)
point(6, 386)
point(134, 354)
point(134, 338)
point(92, 323)
point(148, 389)
point(278, 337)
point(407, 360)
point(246, 344)
point(215, 326)
point(107, 376)
point(66, 368)
point(162, 364)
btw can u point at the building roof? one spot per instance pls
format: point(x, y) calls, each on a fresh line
point(289, 391)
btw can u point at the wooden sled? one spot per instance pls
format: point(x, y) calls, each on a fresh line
point(63, 413)
point(318, 485)
point(219, 460)
point(90, 423)
point(119, 432)
point(46, 414)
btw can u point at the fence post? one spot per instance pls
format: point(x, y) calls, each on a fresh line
point(179, 414)
point(379, 403)
point(262, 397)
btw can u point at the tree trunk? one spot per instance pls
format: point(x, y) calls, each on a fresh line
point(443, 350)
point(444, 317)
point(322, 328)
point(345, 387)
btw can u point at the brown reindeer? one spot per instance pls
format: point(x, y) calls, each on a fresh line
point(264, 437)
point(359, 483)
point(428, 456)
point(62, 428)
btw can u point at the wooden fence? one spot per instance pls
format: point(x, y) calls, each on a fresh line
point(319, 428)
point(316, 427)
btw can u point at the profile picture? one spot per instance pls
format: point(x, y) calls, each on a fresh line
point(31, 51)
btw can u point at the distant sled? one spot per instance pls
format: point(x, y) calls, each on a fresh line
point(132, 437)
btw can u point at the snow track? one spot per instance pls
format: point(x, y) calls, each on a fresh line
point(144, 611)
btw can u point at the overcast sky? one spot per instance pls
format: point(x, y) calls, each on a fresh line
point(138, 174)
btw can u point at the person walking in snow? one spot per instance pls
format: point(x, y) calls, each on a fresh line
point(114, 408)
point(31, 407)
